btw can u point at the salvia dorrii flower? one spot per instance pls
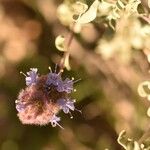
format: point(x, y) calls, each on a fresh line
point(44, 97)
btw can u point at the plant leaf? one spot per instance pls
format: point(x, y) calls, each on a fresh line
point(66, 62)
point(79, 7)
point(141, 89)
point(132, 6)
point(90, 14)
point(126, 143)
point(122, 139)
point(59, 43)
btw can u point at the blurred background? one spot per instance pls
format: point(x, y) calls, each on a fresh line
point(110, 63)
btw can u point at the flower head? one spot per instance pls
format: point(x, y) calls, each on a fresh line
point(43, 98)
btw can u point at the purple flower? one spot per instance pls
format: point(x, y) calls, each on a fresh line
point(54, 121)
point(44, 97)
point(31, 77)
point(65, 86)
point(53, 78)
point(66, 105)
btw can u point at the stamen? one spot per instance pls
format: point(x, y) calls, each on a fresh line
point(74, 90)
point(23, 73)
point(56, 66)
point(76, 81)
point(71, 116)
point(60, 72)
point(16, 101)
point(50, 69)
point(59, 125)
point(78, 110)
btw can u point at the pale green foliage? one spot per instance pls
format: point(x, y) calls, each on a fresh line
point(79, 7)
point(65, 13)
point(121, 15)
point(132, 6)
point(130, 34)
point(104, 8)
point(144, 91)
point(77, 12)
point(111, 11)
point(115, 12)
point(146, 145)
point(89, 15)
point(130, 144)
point(127, 143)
point(119, 9)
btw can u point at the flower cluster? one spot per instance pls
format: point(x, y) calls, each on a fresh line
point(44, 97)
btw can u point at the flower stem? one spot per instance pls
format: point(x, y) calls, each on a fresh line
point(67, 46)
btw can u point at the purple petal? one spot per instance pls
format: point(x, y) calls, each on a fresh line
point(70, 105)
point(54, 121)
point(65, 86)
point(20, 107)
point(68, 85)
point(60, 86)
point(53, 78)
point(61, 102)
point(65, 105)
point(65, 110)
point(32, 76)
